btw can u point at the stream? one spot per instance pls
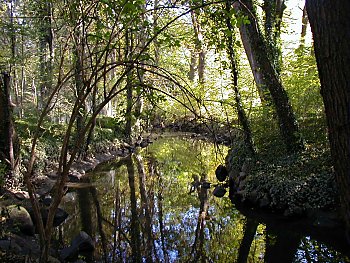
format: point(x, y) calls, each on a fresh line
point(151, 207)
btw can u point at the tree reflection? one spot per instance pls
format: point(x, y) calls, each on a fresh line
point(198, 252)
point(86, 210)
point(145, 205)
point(86, 214)
point(135, 227)
point(154, 173)
point(250, 228)
point(140, 209)
point(100, 222)
point(117, 223)
point(281, 246)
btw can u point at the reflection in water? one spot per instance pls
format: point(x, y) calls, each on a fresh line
point(198, 251)
point(250, 228)
point(280, 247)
point(134, 226)
point(86, 210)
point(99, 222)
point(153, 206)
point(146, 200)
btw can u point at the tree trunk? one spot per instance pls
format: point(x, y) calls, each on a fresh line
point(155, 28)
point(14, 62)
point(79, 86)
point(201, 66)
point(128, 113)
point(9, 146)
point(46, 52)
point(199, 46)
point(273, 10)
point(263, 91)
point(192, 71)
point(330, 25)
point(287, 122)
point(90, 134)
point(304, 21)
point(242, 117)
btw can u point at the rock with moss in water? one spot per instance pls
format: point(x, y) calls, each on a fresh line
point(82, 243)
point(19, 218)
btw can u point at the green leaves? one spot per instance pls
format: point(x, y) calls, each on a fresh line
point(168, 39)
point(242, 20)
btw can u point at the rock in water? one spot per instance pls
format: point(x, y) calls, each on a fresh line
point(59, 217)
point(219, 191)
point(81, 243)
point(221, 173)
point(19, 217)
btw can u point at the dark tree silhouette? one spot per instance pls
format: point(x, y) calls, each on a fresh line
point(330, 25)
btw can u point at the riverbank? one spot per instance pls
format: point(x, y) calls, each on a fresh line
point(300, 186)
point(18, 241)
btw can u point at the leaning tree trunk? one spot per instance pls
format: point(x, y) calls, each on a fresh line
point(250, 228)
point(330, 25)
point(242, 116)
point(263, 91)
point(9, 147)
point(287, 122)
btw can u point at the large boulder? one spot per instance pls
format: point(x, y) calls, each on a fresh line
point(28, 245)
point(59, 218)
point(75, 176)
point(44, 185)
point(8, 245)
point(82, 243)
point(20, 218)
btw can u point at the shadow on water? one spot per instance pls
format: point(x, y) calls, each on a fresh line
point(156, 206)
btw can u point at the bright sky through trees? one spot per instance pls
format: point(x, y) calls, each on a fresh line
point(292, 19)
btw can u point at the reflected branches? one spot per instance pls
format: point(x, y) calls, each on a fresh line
point(139, 209)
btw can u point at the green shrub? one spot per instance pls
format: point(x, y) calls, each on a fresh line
point(295, 182)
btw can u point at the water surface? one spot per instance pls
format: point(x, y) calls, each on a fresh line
point(149, 207)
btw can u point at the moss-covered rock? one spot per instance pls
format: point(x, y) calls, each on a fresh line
point(19, 218)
